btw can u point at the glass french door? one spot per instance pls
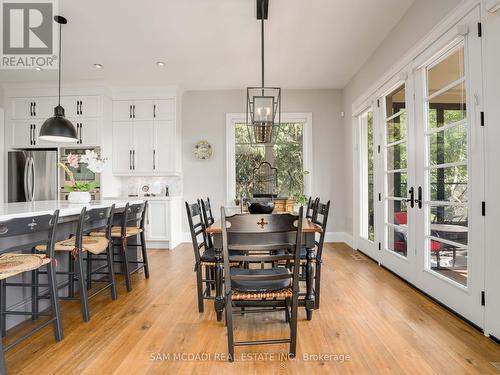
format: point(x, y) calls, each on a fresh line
point(449, 173)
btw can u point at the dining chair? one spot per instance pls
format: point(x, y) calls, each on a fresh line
point(132, 225)
point(208, 217)
point(83, 247)
point(261, 290)
point(321, 219)
point(43, 230)
point(311, 206)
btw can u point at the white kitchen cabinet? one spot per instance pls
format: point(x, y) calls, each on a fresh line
point(143, 152)
point(87, 131)
point(123, 134)
point(164, 110)
point(24, 133)
point(122, 110)
point(143, 110)
point(164, 222)
point(81, 106)
point(157, 222)
point(28, 108)
point(164, 147)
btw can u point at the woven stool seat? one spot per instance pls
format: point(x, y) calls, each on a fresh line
point(94, 245)
point(238, 296)
point(116, 232)
point(14, 264)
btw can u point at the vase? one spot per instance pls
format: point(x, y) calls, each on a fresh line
point(79, 197)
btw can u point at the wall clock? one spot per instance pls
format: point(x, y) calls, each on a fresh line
point(203, 150)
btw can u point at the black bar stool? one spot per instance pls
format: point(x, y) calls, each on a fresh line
point(93, 220)
point(21, 234)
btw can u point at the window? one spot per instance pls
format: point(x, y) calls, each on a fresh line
point(290, 155)
point(367, 174)
point(286, 155)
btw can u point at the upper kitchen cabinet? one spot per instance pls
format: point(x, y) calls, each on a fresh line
point(143, 110)
point(81, 106)
point(30, 108)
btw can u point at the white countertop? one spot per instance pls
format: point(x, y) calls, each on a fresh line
point(155, 198)
point(26, 209)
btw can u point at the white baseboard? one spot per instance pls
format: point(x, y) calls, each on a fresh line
point(329, 237)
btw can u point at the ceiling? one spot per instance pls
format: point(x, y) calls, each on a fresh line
point(215, 44)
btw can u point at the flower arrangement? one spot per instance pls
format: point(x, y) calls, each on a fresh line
point(95, 163)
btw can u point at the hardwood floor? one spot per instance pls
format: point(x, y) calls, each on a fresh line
point(379, 323)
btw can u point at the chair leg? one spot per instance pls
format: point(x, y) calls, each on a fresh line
point(89, 270)
point(82, 288)
point(145, 255)
point(111, 272)
point(3, 307)
point(54, 300)
point(317, 285)
point(34, 294)
point(126, 268)
point(208, 275)
point(199, 287)
point(212, 277)
point(293, 325)
point(229, 325)
point(71, 276)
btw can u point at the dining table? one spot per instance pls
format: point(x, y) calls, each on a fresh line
point(309, 230)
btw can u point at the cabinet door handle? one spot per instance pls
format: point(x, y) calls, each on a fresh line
point(154, 159)
point(133, 160)
point(130, 111)
point(81, 128)
point(133, 108)
point(81, 107)
point(34, 133)
point(31, 110)
point(34, 108)
point(31, 133)
point(130, 159)
point(154, 110)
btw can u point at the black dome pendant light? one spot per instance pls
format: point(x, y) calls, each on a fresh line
point(58, 128)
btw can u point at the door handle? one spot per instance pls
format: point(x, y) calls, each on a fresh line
point(34, 134)
point(133, 110)
point(33, 179)
point(81, 107)
point(77, 107)
point(154, 159)
point(419, 200)
point(26, 169)
point(130, 159)
point(133, 160)
point(130, 111)
point(34, 108)
point(31, 109)
point(31, 134)
point(154, 110)
point(412, 197)
point(81, 131)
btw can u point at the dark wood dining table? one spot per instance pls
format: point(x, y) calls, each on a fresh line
point(309, 230)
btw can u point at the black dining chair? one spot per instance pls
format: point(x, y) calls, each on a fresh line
point(41, 229)
point(132, 224)
point(256, 289)
point(208, 217)
point(82, 247)
point(311, 206)
point(321, 219)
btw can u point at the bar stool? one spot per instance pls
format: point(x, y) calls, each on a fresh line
point(32, 230)
point(132, 225)
point(92, 220)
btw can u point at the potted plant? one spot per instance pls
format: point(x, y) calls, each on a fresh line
point(79, 191)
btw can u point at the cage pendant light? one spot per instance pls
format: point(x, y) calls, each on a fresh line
point(58, 128)
point(263, 114)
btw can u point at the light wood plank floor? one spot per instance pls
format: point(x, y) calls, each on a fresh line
point(379, 322)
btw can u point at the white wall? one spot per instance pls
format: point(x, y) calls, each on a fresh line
point(420, 18)
point(204, 117)
point(2, 153)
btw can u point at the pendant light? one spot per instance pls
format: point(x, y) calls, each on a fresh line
point(263, 103)
point(58, 128)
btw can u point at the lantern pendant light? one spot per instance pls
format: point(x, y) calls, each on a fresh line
point(58, 128)
point(263, 103)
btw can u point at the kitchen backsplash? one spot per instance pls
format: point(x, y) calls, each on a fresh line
point(151, 185)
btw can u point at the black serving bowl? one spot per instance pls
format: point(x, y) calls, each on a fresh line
point(261, 208)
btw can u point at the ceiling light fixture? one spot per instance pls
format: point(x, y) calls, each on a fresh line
point(263, 103)
point(58, 128)
point(98, 66)
point(160, 63)
point(37, 68)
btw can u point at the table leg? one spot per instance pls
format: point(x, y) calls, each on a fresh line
point(219, 300)
point(310, 299)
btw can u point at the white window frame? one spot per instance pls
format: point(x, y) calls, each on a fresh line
point(237, 118)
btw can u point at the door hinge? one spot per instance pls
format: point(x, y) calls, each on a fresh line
point(483, 208)
point(379, 197)
point(483, 299)
point(379, 246)
point(479, 29)
point(482, 118)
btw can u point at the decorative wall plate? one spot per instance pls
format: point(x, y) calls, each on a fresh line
point(203, 150)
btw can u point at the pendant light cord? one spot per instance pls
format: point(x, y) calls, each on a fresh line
point(262, 44)
point(60, 58)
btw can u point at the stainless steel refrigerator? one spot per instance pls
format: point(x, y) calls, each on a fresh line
point(32, 175)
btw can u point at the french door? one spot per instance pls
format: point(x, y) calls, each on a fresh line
point(428, 172)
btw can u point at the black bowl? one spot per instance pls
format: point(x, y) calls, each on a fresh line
point(261, 208)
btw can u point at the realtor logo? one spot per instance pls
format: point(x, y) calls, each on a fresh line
point(28, 33)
